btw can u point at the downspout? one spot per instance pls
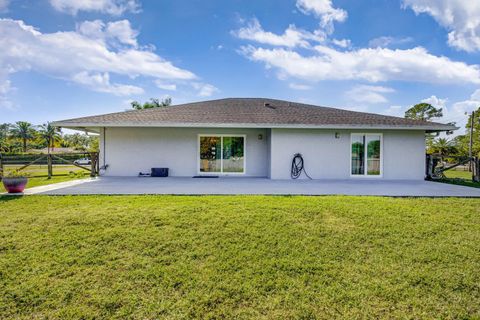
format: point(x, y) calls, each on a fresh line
point(104, 146)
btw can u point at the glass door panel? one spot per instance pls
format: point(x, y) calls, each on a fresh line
point(210, 154)
point(373, 155)
point(358, 154)
point(233, 154)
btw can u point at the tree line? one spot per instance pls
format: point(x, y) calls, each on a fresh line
point(22, 136)
point(457, 146)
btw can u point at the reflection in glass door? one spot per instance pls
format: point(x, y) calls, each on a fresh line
point(210, 152)
point(233, 154)
point(366, 154)
point(222, 154)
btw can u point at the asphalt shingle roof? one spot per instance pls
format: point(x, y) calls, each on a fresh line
point(249, 111)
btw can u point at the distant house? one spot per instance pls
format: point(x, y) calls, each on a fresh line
point(256, 137)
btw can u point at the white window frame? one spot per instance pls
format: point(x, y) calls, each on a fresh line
point(221, 136)
point(365, 174)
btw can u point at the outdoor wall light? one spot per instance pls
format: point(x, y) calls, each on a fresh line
point(260, 136)
point(337, 135)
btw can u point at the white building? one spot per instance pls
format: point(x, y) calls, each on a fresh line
point(257, 137)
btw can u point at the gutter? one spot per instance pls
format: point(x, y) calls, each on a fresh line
point(95, 127)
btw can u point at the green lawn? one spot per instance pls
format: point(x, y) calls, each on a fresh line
point(41, 170)
point(244, 257)
point(38, 174)
point(460, 177)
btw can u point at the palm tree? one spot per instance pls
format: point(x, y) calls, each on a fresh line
point(23, 130)
point(4, 129)
point(50, 134)
point(442, 146)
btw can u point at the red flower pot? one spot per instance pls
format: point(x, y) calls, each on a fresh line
point(14, 185)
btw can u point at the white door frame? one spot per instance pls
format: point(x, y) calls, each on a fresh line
point(221, 136)
point(365, 175)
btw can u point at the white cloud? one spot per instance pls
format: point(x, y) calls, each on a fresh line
point(204, 89)
point(118, 32)
point(292, 37)
point(4, 5)
point(113, 7)
point(5, 88)
point(460, 17)
point(372, 64)
point(100, 82)
point(165, 86)
point(385, 41)
point(395, 111)
point(82, 56)
point(298, 86)
point(436, 102)
point(460, 111)
point(324, 10)
point(344, 43)
point(368, 94)
point(476, 95)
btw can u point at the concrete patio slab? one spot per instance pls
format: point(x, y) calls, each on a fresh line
point(225, 186)
point(50, 187)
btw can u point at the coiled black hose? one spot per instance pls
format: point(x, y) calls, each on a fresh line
point(298, 166)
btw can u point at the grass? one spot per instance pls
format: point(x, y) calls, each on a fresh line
point(38, 175)
point(41, 170)
point(244, 257)
point(463, 178)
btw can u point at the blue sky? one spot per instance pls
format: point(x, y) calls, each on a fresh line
point(68, 58)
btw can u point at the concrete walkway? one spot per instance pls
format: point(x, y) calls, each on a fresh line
point(190, 186)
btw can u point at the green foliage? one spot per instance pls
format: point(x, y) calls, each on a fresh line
point(23, 130)
point(153, 103)
point(4, 132)
point(423, 111)
point(80, 142)
point(239, 257)
point(16, 174)
point(49, 134)
point(443, 147)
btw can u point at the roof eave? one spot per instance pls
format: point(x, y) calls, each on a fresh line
point(86, 126)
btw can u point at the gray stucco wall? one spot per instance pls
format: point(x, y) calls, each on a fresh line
point(327, 157)
point(129, 151)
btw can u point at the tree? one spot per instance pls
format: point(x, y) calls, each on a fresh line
point(476, 132)
point(153, 103)
point(50, 134)
point(423, 111)
point(23, 130)
point(442, 146)
point(4, 129)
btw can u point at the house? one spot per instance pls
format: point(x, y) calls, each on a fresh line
point(256, 137)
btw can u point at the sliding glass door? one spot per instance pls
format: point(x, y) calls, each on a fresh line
point(222, 154)
point(366, 154)
point(210, 152)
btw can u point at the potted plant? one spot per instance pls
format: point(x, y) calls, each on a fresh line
point(15, 181)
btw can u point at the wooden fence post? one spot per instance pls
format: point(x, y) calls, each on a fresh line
point(428, 167)
point(476, 169)
point(1, 166)
point(97, 156)
point(49, 165)
point(93, 164)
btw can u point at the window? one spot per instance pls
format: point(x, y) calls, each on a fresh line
point(222, 154)
point(366, 154)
